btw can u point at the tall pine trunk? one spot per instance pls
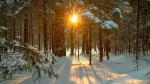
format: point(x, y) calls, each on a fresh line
point(137, 35)
point(100, 45)
point(26, 31)
point(45, 27)
point(90, 44)
point(83, 43)
point(87, 41)
point(72, 42)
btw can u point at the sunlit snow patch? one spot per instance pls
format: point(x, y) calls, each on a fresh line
point(92, 16)
point(110, 24)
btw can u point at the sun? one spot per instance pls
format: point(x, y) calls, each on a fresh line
point(74, 18)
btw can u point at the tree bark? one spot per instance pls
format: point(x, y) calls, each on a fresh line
point(90, 44)
point(26, 33)
point(45, 27)
point(137, 35)
point(83, 43)
point(100, 45)
point(72, 42)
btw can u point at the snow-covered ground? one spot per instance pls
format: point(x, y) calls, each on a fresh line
point(118, 70)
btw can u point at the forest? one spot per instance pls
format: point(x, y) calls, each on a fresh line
point(74, 41)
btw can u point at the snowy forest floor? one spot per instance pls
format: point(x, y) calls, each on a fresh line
point(118, 70)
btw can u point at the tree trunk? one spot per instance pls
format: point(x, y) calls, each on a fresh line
point(72, 42)
point(129, 45)
point(31, 31)
point(107, 48)
point(87, 41)
point(100, 45)
point(14, 28)
point(26, 39)
point(39, 35)
point(116, 42)
point(45, 27)
point(143, 41)
point(90, 46)
point(83, 43)
point(137, 35)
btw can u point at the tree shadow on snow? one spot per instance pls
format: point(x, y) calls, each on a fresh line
point(62, 68)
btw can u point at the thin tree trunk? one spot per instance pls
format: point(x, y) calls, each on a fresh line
point(52, 38)
point(78, 42)
point(14, 28)
point(147, 38)
point(39, 33)
point(143, 42)
point(83, 43)
point(90, 44)
point(45, 27)
point(137, 34)
point(72, 42)
point(95, 42)
point(31, 27)
point(116, 43)
point(26, 33)
point(129, 46)
point(100, 45)
point(87, 42)
point(107, 48)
